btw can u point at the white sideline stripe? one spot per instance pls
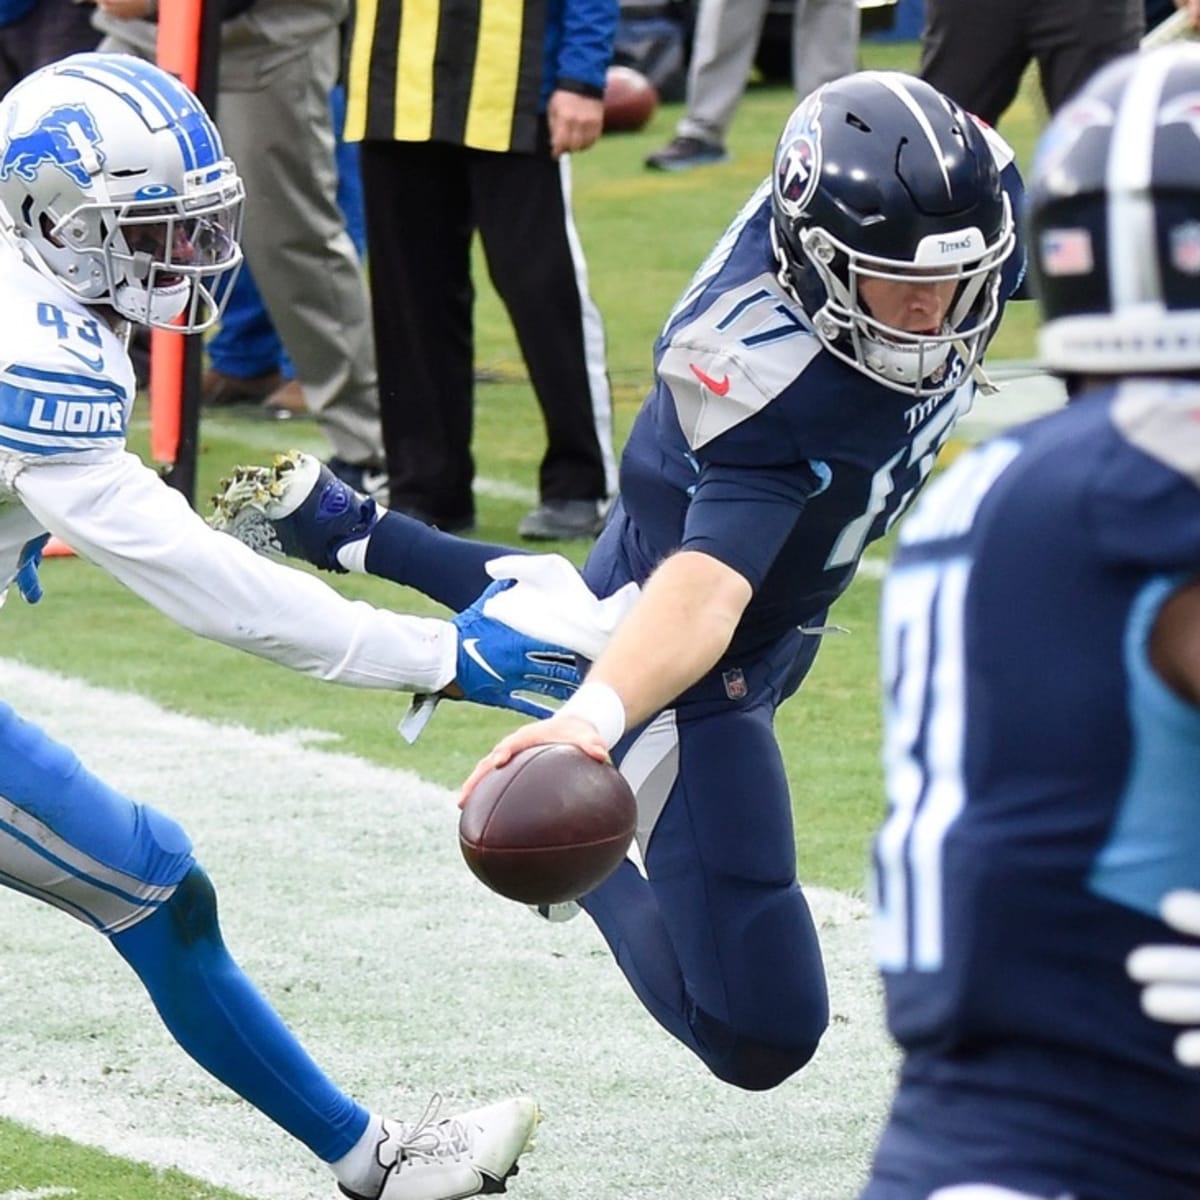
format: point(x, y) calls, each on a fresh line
point(42, 1193)
point(343, 893)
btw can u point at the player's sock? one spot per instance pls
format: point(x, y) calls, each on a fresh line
point(359, 1170)
point(446, 568)
point(219, 1017)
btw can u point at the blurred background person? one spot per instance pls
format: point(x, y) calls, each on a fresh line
point(824, 47)
point(978, 50)
point(36, 32)
point(279, 62)
point(495, 98)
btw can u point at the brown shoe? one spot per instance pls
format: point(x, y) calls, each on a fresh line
point(219, 390)
point(287, 399)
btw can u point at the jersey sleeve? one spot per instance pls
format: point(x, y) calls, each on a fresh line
point(743, 517)
point(118, 514)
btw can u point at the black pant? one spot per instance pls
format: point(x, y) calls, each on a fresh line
point(48, 32)
point(423, 201)
point(977, 50)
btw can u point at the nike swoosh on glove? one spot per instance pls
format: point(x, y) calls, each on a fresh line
point(1171, 974)
point(28, 583)
point(496, 663)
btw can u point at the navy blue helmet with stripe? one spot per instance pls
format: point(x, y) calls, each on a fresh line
point(878, 175)
point(1113, 219)
point(114, 184)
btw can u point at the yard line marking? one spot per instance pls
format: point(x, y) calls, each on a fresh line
point(343, 892)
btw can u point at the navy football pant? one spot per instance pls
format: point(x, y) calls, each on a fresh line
point(127, 870)
point(718, 942)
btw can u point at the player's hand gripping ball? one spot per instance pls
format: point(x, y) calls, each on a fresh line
point(629, 100)
point(549, 826)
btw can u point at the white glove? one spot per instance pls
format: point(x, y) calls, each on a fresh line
point(1172, 975)
point(550, 602)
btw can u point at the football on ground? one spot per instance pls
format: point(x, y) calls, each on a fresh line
point(629, 100)
point(548, 826)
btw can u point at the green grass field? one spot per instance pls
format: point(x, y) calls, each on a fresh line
point(644, 234)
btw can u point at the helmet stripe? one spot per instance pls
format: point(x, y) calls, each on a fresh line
point(893, 84)
point(1134, 276)
point(147, 87)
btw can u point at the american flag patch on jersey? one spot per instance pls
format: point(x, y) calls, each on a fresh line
point(1066, 251)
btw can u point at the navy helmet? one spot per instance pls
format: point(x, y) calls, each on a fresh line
point(879, 175)
point(1113, 219)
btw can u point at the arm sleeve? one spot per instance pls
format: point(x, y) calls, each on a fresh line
point(588, 30)
point(119, 515)
point(743, 517)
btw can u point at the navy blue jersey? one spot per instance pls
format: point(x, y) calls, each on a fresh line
point(761, 449)
point(1044, 793)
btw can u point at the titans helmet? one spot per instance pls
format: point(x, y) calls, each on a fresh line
point(114, 184)
point(1113, 220)
point(878, 175)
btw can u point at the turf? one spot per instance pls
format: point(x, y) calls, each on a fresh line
point(644, 234)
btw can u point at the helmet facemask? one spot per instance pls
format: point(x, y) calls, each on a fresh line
point(159, 260)
point(906, 361)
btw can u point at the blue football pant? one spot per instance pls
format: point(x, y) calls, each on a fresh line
point(126, 870)
point(717, 942)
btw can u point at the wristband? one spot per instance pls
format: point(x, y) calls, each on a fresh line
point(599, 705)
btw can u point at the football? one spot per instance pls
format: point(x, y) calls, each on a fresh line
point(549, 826)
point(629, 100)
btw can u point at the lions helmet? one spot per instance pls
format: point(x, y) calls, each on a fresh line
point(1114, 219)
point(878, 175)
point(114, 184)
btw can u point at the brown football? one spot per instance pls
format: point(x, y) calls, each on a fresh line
point(629, 100)
point(549, 826)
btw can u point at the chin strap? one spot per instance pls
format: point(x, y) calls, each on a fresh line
point(982, 380)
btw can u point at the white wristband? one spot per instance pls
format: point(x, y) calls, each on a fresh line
point(599, 705)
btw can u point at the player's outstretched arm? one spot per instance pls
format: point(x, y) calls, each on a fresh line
point(679, 627)
point(120, 515)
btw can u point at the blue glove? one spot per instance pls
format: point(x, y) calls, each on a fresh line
point(28, 583)
point(496, 663)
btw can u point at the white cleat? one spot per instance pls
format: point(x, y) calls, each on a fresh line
point(252, 498)
point(297, 507)
point(557, 913)
point(472, 1154)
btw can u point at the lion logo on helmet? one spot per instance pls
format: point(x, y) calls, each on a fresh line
point(57, 139)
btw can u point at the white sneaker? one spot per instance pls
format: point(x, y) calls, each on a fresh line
point(468, 1155)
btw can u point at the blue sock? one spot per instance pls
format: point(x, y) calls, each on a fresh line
point(445, 568)
point(219, 1017)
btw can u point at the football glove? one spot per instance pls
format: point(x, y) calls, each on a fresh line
point(28, 583)
point(500, 667)
point(1171, 975)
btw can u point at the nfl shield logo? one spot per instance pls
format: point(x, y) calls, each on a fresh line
point(1185, 248)
point(735, 684)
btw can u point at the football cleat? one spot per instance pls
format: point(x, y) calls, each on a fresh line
point(557, 913)
point(296, 507)
point(472, 1154)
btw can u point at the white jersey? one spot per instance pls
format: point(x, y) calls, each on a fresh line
point(66, 393)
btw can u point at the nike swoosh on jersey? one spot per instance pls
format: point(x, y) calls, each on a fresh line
point(718, 387)
point(471, 646)
point(93, 364)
